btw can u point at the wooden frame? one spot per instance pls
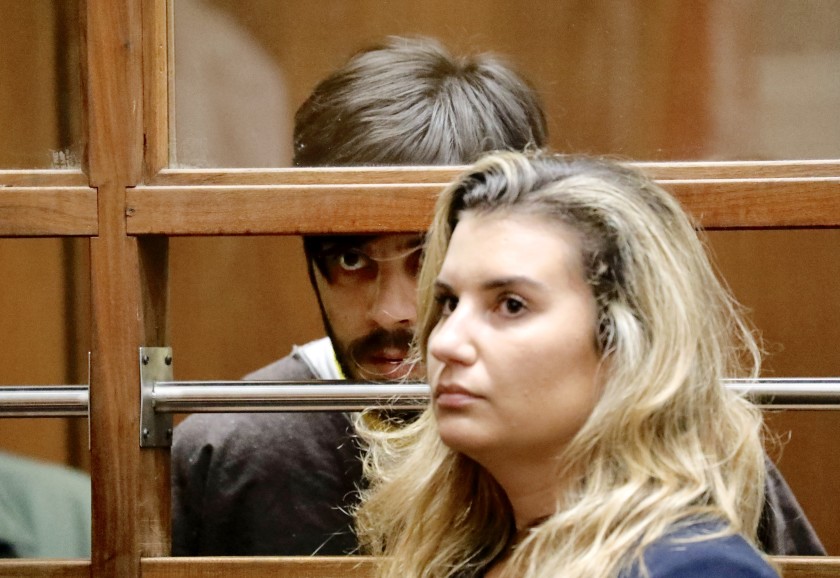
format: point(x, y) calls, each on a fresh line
point(128, 202)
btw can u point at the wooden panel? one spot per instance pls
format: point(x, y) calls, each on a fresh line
point(303, 568)
point(396, 174)
point(45, 178)
point(154, 511)
point(741, 170)
point(307, 176)
point(279, 209)
point(362, 567)
point(113, 71)
point(45, 569)
point(289, 209)
point(807, 567)
point(263, 567)
point(53, 211)
point(760, 203)
point(155, 85)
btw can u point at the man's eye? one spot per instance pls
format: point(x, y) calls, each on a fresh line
point(352, 260)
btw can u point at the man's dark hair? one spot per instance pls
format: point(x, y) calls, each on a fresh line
point(409, 101)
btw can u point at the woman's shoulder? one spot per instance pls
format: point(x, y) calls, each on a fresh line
point(697, 550)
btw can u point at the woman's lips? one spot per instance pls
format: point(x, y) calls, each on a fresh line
point(453, 396)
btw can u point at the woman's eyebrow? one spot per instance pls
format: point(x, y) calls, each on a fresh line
point(498, 283)
point(512, 281)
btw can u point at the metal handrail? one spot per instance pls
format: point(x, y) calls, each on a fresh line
point(44, 401)
point(170, 397)
point(267, 396)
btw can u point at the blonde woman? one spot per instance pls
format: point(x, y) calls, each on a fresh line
point(575, 338)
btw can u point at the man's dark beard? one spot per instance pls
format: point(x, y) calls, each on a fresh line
point(349, 357)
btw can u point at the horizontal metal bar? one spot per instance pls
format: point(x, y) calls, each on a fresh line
point(44, 401)
point(267, 396)
point(800, 393)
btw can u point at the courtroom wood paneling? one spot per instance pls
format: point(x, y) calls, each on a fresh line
point(156, 66)
point(397, 174)
point(114, 94)
point(289, 209)
point(807, 567)
point(264, 567)
point(53, 211)
point(129, 269)
point(45, 569)
point(363, 567)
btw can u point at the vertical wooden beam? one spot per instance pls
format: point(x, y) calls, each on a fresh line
point(154, 499)
point(154, 512)
point(113, 90)
point(156, 65)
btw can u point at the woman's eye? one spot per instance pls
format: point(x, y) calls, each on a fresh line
point(447, 303)
point(512, 306)
point(352, 260)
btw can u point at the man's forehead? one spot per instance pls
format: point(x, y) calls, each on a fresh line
point(374, 243)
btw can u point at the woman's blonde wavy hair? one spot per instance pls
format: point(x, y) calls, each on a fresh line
point(666, 443)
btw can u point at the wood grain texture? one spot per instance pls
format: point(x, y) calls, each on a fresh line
point(114, 400)
point(112, 59)
point(156, 75)
point(279, 209)
point(362, 567)
point(112, 72)
point(47, 211)
point(760, 203)
point(45, 569)
point(154, 499)
point(42, 178)
point(263, 567)
point(809, 567)
point(437, 174)
point(381, 208)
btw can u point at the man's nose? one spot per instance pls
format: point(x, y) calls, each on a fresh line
point(394, 301)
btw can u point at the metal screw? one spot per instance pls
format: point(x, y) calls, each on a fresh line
point(145, 432)
point(168, 360)
point(169, 433)
point(145, 360)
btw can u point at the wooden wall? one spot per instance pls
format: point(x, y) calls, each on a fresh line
point(238, 303)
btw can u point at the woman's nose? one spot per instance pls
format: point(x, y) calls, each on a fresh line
point(451, 340)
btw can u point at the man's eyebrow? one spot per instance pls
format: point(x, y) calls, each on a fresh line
point(413, 243)
point(342, 244)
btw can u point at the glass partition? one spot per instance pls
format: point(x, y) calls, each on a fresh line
point(44, 320)
point(663, 81)
point(40, 85)
point(649, 81)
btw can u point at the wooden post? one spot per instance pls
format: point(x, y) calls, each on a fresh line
point(112, 64)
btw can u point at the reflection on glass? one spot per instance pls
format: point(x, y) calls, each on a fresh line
point(40, 85)
point(650, 81)
point(44, 319)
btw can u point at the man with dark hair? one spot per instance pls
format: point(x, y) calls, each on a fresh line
point(283, 484)
point(274, 484)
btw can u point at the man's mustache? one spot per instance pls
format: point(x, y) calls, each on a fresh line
point(375, 342)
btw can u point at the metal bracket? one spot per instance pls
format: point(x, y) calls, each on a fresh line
point(155, 428)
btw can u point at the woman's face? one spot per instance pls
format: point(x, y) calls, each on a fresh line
point(512, 361)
